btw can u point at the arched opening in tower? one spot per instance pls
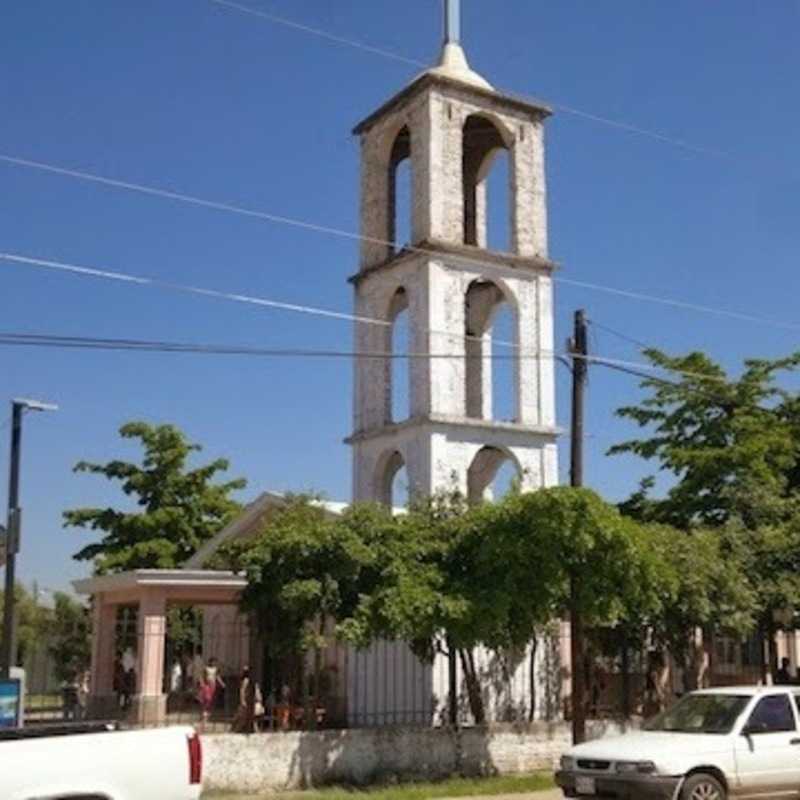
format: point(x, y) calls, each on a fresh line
point(400, 366)
point(492, 353)
point(400, 189)
point(494, 473)
point(393, 481)
point(487, 185)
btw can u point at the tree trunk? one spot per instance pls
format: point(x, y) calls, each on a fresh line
point(697, 655)
point(709, 657)
point(772, 648)
point(763, 658)
point(532, 679)
point(473, 686)
point(452, 684)
point(625, 670)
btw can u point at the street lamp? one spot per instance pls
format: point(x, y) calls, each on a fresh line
point(18, 407)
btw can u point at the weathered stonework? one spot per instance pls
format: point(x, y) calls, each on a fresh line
point(435, 111)
point(279, 761)
point(440, 440)
point(452, 287)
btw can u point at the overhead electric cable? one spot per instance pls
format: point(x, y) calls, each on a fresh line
point(114, 275)
point(332, 37)
point(625, 337)
point(390, 54)
point(324, 229)
point(144, 345)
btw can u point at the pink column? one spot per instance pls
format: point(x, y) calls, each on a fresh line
point(150, 700)
point(104, 618)
point(102, 702)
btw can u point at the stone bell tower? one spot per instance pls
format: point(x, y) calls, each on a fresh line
point(451, 124)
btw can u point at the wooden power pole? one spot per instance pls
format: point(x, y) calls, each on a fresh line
point(580, 350)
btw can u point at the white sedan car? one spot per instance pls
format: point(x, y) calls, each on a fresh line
point(738, 742)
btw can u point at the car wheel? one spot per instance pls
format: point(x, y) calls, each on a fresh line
point(702, 786)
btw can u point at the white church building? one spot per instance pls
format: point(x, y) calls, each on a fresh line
point(450, 124)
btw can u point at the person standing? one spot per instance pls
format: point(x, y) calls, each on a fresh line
point(128, 688)
point(176, 677)
point(210, 683)
point(251, 704)
point(84, 683)
point(118, 683)
point(783, 677)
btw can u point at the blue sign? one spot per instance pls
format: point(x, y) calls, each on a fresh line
point(10, 703)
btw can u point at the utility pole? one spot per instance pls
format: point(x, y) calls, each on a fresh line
point(18, 407)
point(12, 543)
point(579, 349)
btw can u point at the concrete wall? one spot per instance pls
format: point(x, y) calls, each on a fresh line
point(275, 761)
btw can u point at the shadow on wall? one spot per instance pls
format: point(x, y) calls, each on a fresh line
point(384, 755)
point(275, 761)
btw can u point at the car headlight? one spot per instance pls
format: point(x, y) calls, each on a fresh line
point(642, 767)
point(567, 763)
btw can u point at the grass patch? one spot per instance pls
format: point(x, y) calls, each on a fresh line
point(453, 787)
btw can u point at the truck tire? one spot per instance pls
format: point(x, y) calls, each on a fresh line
point(703, 786)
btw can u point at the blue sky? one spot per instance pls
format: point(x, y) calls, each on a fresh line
point(211, 102)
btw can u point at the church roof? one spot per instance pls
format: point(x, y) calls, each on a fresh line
point(248, 524)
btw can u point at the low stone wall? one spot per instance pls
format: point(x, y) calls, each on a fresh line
point(273, 761)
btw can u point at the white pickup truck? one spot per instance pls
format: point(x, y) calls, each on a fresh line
point(738, 742)
point(93, 762)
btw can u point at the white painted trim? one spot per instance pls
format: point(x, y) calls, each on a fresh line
point(216, 579)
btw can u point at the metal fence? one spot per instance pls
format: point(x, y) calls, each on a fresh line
point(203, 680)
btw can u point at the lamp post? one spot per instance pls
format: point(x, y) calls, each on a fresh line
point(18, 408)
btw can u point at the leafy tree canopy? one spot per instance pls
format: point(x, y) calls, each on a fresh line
point(732, 444)
point(178, 508)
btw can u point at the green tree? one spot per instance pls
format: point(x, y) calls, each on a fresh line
point(424, 595)
point(445, 577)
point(730, 444)
point(732, 447)
point(33, 622)
point(710, 592)
point(305, 570)
point(178, 508)
point(494, 575)
point(69, 637)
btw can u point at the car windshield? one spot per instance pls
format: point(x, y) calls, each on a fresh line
point(700, 713)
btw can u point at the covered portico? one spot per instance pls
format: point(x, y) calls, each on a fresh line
point(150, 594)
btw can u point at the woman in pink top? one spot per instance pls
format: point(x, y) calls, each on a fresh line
point(210, 681)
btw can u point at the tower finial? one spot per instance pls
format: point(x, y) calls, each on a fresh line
point(452, 21)
point(453, 61)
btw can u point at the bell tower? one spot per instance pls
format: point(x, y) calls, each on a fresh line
point(450, 124)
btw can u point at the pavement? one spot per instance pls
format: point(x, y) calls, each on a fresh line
point(547, 794)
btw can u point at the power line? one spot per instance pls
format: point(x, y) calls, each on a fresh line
point(113, 275)
point(630, 339)
point(645, 346)
point(169, 194)
point(701, 309)
point(128, 278)
point(145, 345)
point(318, 32)
point(618, 367)
point(620, 125)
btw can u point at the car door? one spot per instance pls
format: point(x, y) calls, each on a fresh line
point(768, 749)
